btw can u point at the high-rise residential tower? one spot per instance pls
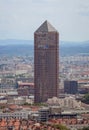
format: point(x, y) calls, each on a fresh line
point(46, 62)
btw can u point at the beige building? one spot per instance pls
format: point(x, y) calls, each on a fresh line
point(67, 102)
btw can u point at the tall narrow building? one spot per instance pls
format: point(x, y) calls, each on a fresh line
point(46, 62)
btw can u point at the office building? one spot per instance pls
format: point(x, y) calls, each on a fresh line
point(70, 87)
point(46, 62)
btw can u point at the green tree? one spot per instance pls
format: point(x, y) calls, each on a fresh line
point(60, 127)
point(84, 128)
point(86, 98)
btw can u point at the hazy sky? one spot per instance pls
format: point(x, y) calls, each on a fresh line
point(20, 18)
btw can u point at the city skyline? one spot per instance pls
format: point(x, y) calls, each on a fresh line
point(70, 17)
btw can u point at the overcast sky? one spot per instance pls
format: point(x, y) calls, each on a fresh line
point(20, 18)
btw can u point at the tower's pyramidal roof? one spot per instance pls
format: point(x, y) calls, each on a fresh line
point(46, 27)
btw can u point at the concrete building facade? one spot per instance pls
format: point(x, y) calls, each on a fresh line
point(46, 62)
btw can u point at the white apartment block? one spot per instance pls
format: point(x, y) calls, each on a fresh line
point(16, 114)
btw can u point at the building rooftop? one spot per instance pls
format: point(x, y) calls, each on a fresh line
point(33, 125)
point(46, 27)
point(26, 84)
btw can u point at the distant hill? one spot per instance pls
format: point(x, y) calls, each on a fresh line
point(26, 47)
point(73, 48)
point(15, 42)
point(16, 47)
point(16, 50)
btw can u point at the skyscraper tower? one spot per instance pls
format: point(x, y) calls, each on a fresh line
point(46, 62)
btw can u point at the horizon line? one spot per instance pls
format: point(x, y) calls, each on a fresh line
point(33, 40)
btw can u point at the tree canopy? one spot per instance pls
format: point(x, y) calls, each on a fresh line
point(86, 98)
point(60, 127)
point(85, 128)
